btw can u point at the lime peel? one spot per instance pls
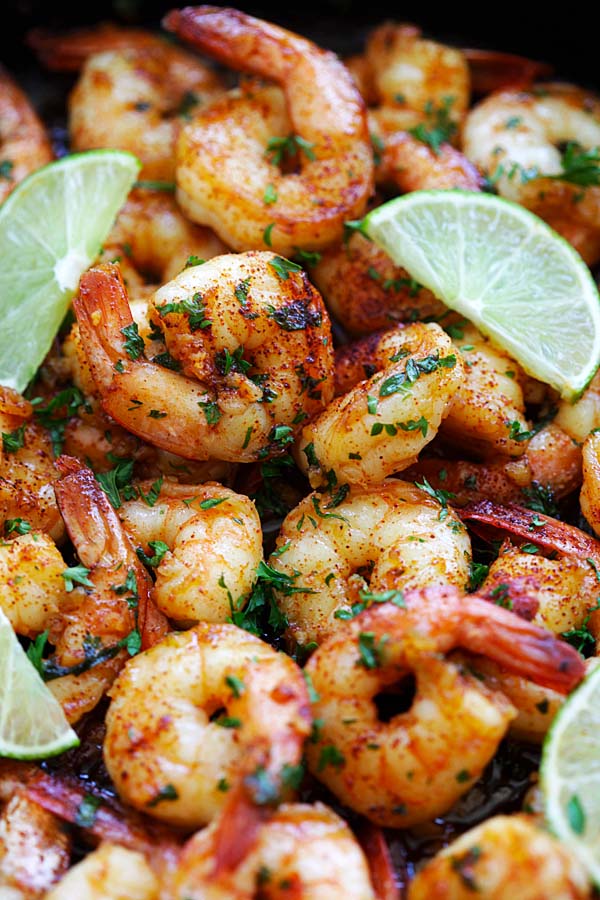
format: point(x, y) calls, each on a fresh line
point(570, 774)
point(52, 227)
point(32, 722)
point(506, 270)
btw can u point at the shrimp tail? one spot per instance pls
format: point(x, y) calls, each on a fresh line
point(519, 646)
point(237, 831)
point(97, 532)
point(381, 867)
point(102, 310)
point(548, 533)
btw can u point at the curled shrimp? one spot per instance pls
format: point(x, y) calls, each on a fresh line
point(109, 612)
point(27, 469)
point(253, 331)
point(488, 407)
point(152, 236)
point(301, 851)
point(24, 145)
point(413, 767)
point(96, 437)
point(551, 465)
point(203, 712)
point(380, 426)
point(110, 871)
point(366, 292)
point(224, 178)
point(392, 534)
point(504, 857)
point(513, 137)
point(565, 587)
point(214, 542)
point(137, 99)
point(412, 86)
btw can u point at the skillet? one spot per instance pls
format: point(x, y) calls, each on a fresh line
point(567, 43)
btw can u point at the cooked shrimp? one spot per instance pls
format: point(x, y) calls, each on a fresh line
point(504, 857)
point(152, 235)
point(109, 872)
point(513, 137)
point(255, 333)
point(225, 177)
point(551, 465)
point(33, 589)
point(487, 413)
point(92, 434)
point(410, 75)
point(109, 612)
point(381, 425)
point(214, 544)
point(385, 537)
point(24, 145)
point(27, 470)
point(366, 292)
point(34, 849)
point(413, 767)
point(34, 845)
point(138, 99)
point(417, 86)
point(204, 711)
point(301, 851)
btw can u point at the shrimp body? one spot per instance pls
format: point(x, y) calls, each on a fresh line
point(579, 419)
point(135, 99)
point(254, 347)
point(199, 713)
point(224, 176)
point(152, 235)
point(381, 425)
point(487, 416)
point(391, 530)
point(27, 469)
point(111, 872)
point(504, 857)
point(413, 767)
point(366, 292)
point(34, 849)
point(513, 136)
point(552, 462)
point(24, 145)
point(301, 851)
point(32, 587)
point(215, 546)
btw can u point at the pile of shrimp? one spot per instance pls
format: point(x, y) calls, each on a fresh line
point(297, 549)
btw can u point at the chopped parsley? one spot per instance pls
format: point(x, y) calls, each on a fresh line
point(439, 128)
point(280, 147)
point(193, 307)
point(134, 342)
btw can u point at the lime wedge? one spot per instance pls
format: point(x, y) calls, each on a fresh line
point(570, 774)
point(52, 227)
point(32, 722)
point(504, 269)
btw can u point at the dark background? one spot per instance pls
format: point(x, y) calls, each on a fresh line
point(565, 36)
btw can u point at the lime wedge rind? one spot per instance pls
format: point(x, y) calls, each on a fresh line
point(506, 270)
point(52, 227)
point(570, 767)
point(32, 721)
